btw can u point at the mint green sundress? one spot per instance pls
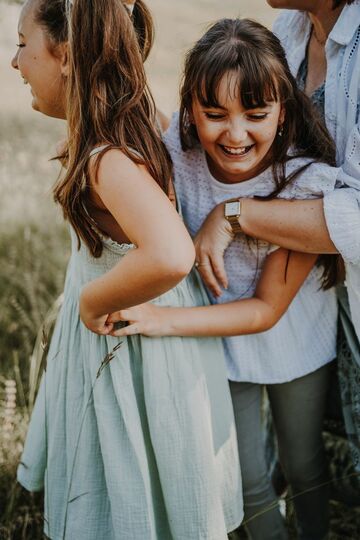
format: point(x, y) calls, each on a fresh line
point(132, 438)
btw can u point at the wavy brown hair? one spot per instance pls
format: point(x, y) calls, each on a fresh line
point(108, 101)
point(255, 54)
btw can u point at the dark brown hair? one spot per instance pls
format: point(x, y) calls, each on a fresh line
point(108, 101)
point(257, 57)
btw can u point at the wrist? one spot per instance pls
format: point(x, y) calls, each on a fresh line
point(168, 321)
point(243, 219)
point(232, 214)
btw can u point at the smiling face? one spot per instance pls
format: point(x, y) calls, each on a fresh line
point(42, 67)
point(237, 140)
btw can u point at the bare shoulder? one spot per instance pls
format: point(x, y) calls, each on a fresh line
point(113, 164)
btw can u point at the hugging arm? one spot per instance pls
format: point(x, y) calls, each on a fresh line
point(164, 251)
point(281, 278)
point(297, 225)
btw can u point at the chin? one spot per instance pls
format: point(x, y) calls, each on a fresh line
point(35, 105)
point(276, 3)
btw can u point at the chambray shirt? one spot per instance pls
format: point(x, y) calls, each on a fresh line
point(342, 105)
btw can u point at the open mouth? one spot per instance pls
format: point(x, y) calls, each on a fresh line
point(232, 151)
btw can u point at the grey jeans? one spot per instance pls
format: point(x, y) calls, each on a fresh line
point(298, 409)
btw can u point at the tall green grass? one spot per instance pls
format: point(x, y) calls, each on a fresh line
point(34, 248)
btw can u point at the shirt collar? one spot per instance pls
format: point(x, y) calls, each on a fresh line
point(347, 24)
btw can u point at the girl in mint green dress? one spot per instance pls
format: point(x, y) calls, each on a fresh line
point(132, 439)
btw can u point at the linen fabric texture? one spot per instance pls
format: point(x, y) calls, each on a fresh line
point(142, 448)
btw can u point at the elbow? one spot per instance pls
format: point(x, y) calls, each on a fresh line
point(266, 325)
point(267, 318)
point(177, 262)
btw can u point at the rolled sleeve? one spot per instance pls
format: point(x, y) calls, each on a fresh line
point(342, 214)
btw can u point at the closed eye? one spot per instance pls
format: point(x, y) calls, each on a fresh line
point(214, 116)
point(257, 116)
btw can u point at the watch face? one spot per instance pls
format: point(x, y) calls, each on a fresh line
point(232, 209)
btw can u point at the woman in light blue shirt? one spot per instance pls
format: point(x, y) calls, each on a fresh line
point(322, 42)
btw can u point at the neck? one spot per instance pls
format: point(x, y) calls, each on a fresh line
point(323, 18)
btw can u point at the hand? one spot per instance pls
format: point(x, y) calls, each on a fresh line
point(145, 319)
point(96, 323)
point(211, 242)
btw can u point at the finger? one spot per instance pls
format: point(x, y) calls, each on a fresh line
point(118, 316)
point(108, 328)
point(130, 330)
point(218, 267)
point(209, 279)
point(104, 330)
point(200, 253)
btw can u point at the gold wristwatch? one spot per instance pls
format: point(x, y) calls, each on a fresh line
point(232, 212)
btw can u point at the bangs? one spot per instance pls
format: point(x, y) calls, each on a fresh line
point(255, 85)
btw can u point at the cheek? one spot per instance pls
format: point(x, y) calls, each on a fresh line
point(208, 132)
point(21, 62)
point(267, 135)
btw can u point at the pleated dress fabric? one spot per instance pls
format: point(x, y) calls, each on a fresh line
point(132, 438)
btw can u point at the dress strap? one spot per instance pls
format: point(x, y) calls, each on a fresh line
point(98, 149)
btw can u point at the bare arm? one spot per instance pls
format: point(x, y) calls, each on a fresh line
point(281, 277)
point(164, 253)
point(298, 224)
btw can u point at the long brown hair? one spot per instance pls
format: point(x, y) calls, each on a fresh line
point(255, 54)
point(108, 100)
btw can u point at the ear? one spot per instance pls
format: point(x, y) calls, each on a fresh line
point(63, 53)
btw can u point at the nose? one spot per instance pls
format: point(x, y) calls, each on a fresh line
point(237, 132)
point(14, 61)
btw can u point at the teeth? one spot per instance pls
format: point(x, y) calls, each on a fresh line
point(236, 151)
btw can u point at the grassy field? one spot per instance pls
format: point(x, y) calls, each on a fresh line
point(34, 243)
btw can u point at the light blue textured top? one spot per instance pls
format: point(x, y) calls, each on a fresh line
point(304, 339)
point(342, 106)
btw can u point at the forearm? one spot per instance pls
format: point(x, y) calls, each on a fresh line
point(137, 278)
point(298, 225)
point(247, 316)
